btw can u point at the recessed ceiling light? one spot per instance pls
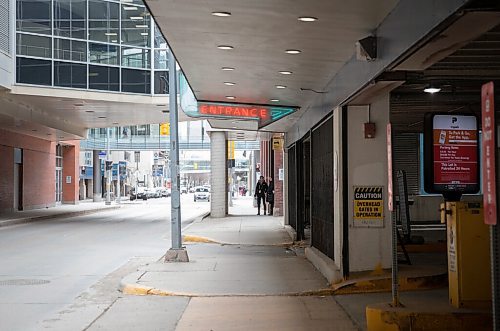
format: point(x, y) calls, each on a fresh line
point(293, 51)
point(275, 100)
point(235, 127)
point(102, 117)
point(432, 90)
point(229, 83)
point(34, 130)
point(79, 104)
point(143, 26)
point(144, 33)
point(115, 123)
point(280, 86)
point(129, 8)
point(89, 111)
point(227, 68)
point(114, 41)
point(307, 19)
point(49, 134)
point(110, 34)
point(226, 47)
point(161, 105)
point(135, 18)
point(164, 111)
point(286, 72)
point(221, 13)
point(230, 97)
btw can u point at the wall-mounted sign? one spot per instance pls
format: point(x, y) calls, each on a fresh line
point(68, 179)
point(451, 155)
point(230, 149)
point(489, 151)
point(368, 206)
point(277, 143)
point(281, 174)
point(165, 129)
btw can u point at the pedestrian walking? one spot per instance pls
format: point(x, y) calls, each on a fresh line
point(270, 195)
point(260, 194)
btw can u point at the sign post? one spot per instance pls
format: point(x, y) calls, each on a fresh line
point(489, 165)
point(390, 206)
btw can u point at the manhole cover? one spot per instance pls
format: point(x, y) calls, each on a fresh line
point(23, 282)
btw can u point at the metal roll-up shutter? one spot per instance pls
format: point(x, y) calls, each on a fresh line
point(406, 157)
point(4, 26)
point(322, 227)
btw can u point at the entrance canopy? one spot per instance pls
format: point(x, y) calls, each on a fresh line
point(264, 52)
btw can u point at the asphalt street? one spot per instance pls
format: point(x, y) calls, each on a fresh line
point(46, 265)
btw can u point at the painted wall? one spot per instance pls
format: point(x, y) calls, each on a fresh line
point(218, 181)
point(369, 247)
point(38, 171)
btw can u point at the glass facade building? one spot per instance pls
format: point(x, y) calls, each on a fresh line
point(90, 44)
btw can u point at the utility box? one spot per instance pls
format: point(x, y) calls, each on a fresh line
point(469, 273)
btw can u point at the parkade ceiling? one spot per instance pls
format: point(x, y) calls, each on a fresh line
point(260, 32)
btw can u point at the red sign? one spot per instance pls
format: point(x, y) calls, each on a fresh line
point(488, 159)
point(390, 202)
point(234, 111)
point(455, 149)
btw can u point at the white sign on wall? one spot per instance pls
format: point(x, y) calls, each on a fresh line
point(281, 174)
point(68, 179)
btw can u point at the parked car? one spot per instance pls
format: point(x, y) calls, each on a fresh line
point(192, 189)
point(184, 189)
point(201, 193)
point(142, 193)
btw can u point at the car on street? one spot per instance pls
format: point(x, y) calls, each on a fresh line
point(201, 193)
point(184, 189)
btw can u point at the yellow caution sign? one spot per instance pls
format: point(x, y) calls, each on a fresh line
point(165, 129)
point(369, 205)
point(277, 144)
point(230, 150)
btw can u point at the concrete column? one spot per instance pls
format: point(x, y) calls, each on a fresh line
point(97, 177)
point(369, 243)
point(71, 172)
point(218, 181)
point(278, 184)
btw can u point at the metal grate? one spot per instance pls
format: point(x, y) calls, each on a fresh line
point(292, 188)
point(4, 26)
point(322, 192)
point(406, 158)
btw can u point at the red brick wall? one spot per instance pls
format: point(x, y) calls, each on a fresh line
point(278, 184)
point(71, 155)
point(38, 170)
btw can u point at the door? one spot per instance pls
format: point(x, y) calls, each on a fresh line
point(59, 174)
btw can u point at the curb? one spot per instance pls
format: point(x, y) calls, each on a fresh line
point(384, 284)
point(25, 220)
point(382, 317)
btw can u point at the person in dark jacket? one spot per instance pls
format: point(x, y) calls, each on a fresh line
point(270, 195)
point(260, 194)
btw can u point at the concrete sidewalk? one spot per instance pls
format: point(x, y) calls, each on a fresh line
point(249, 277)
point(83, 208)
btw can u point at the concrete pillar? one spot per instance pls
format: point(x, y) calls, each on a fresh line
point(90, 189)
point(71, 172)
point(369, 242)
point(218, 181)
point(97, 196)
point(278, 184)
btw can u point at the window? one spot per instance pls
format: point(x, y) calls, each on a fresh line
point(136, 23)
point(70, 18)
point(161, 59)
point(104, 21)
point(33, 71)
point(65, 49)
point(140, 130)
point(161, 82)
point(159, 41)
point(104, 54)
point(135, 57)
point(104, 78)
point(70, 74)
point(33, 45)
point(136, 81)
point(33, 16)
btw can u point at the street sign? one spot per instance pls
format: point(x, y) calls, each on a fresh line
point(489, 154)
point(277, 143)
point(165, 129)
point(390, 192)
point(102, 155)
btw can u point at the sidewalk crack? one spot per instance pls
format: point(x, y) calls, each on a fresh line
point(100, 315)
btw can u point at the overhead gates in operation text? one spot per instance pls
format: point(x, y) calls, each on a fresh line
point(368, 206)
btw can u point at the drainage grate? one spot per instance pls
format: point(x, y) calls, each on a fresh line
point(23, 282)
